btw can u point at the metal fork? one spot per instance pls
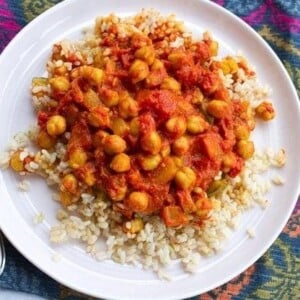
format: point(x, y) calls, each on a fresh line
point(2, 254)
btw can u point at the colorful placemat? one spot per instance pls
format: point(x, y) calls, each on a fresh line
point(276, 275)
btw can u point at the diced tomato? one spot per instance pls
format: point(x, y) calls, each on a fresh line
point(226, 131)
point(42, 118)
point(173, 216)
point(162, 103)
point(71, 113)
point(209, 144)
point(206, 170)
point(114, 185)
point(139, 40)
point(123, 210)
point(186, 202)
point(189, 75)
point(86, 173)
point(146, 123)
point(203, 207)
point(222, 94)
point(80, 135)
point(158, 195)
point(76, 91)
point(126, 59)
point(237, 168)
point(202, 51)
point(210, 83)
point(72, 57)
point(156, 77)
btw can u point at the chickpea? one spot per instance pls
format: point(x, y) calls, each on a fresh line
point(176, 58)
point(181, 145)
point(138, 71)
point(72, 113)
point(146, 53)
point(120, 163)
point(233, 65)
point(60, 71)
point(213, 47)
point(151, 142)
point(247, 114)
point(198, 97)
point(166, 170)
point(176, 125)
point(178, 161)
point(133, 226)
point(218, 108)
point(119, 127)
point(88, 174)
point(153, 79)
point(246, 110)
point(110, 65)
point(185, 178)
point(91, 99)
point(139, 40)
point(245, 149)
point(229, 65)
point(45, 141)
point(242, 131)
point(77, 158)
point(98, 59)
point(59, 84)
point(196, 124)
point(70, 183)
point(56, 125)
point(134, 126)
point(16, 163)
point(98, 138)
point(228, 161)
point(170, 83)
point(137, 201)
point(110, 98)
point(165, 149)
point(150, 162)
point(99, 117)
point(157, 65)
point(203, 207)
point(66, 198)
point(210, 83)
point(251, 123)
point(92, 74)
point(114, 144)
point(225, 68)
point(128, 107)
point(265, 111)
point(119, 193)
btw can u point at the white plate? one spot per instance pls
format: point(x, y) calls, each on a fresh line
point(25, 58)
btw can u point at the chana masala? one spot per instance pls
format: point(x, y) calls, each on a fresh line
point(146, 118)
point(150, 127)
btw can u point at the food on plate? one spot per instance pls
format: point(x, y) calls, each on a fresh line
point(146, 132)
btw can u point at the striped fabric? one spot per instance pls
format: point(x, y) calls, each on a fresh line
point(274, 276)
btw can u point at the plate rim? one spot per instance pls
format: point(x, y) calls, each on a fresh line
point(40, 266)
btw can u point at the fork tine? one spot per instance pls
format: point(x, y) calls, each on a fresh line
point(2, 254)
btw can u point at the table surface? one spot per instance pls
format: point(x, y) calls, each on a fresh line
point(276, 275)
